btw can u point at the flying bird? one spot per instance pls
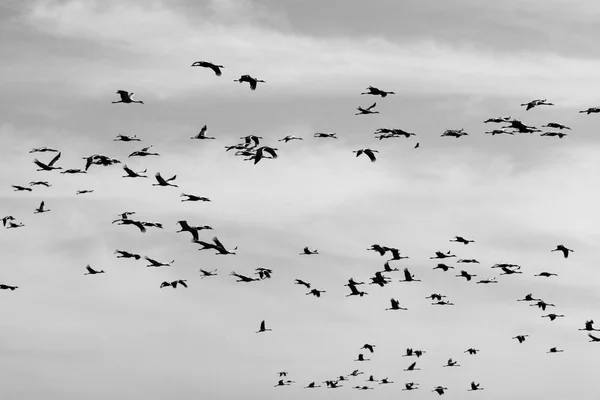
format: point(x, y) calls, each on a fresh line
point(126, 97)
point(8, 287)
point(174, 284)
point(535, 103)
point(22, 188)
point(202, 134)
point(396, 305)
point(369, 152)
point(216, 68)
point(206, 274)
point(164, 182)
point(262, 327)
point(247, 78)
point(154, 263)
point(92, 271)
point(289, 137)
point(50, 166)
point(126, 254)
point(365, 111)
point(377, 92)
point(474, 387)
point(40, 183)
point(193, 197)
point(462, 240)
point(126, 138)
point(41, 209)
point(131, 174)
point(563, 249)
point(307, 252)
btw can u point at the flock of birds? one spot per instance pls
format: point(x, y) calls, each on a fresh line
point(252, 149)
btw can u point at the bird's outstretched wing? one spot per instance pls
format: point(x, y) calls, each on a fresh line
point(55, 159)
point(371, 107)
point(160, 179)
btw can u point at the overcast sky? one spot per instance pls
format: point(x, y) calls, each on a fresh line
point(452, 64)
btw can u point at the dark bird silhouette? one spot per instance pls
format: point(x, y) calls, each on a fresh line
point(379, 249)
point(143, 152)
point(456, 133)
point(185, 227)
point(560, 135)
point(355, 373)
point(21, 188)
point(468, 261)
point(555, 350)
point(362, 358)
point(592, 337)
point(555, 125)
point(262, 327)
point(137, 224)
point(535, 103)
point(443, 267)
point(542, 304)
point(325, 135)
point(498, 120)
point(301, 282)
point(591, 110)
point(416, 147)
point(85, 191)
point(509, 271)
point(529, 297)
point(260, 154)
point(154, 263)
point(563, 249)
point(289, 137)
point(435, 296)
point(12, 225)
point(474, 387)
point(369, 347)
point(315, 292)
point(365, 111)
point(471, 351)
point(311, 386)
point(40, 183)
point(162, 182)
point(499, 132)
point(8, 287)
point(174, 284)
point(41, 209)
point(50, 166)
point(546, 274)
point(440, 255)
point(379, 279)
point(387, 268)
point(251, 140)
point(247, 78)
point(520, 338)
point(408, 277)
point(193, 197)
point(486, 281)
point(385, 381)
point(216, 68)
point(126, 138)
point(462, 240)
point(126, 254)
point(306, 252)
point(465, 274)
point(439, 390)
point(218, 246)
point(126, 97)
point(73, 171)
point(369, 152)
point(355, 292)
point(43, 150)
point(377, 92)
point(243, 278)
point(92, 271)
point(395, 305)
point(520, 127)
point(442, 303)
point(552, 316)
point(410, 386)
point(264, 273)
point(283, 383)
point(589, 326)
point(202, 134)
point(451, 363)
point(206, 273)
point(6, 219)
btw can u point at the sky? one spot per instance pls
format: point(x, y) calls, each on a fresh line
point(452, 64)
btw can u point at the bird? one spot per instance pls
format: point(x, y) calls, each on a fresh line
point(162, 182)
point(126, 138)
point(560, 135)
point(465, 274)
point(262, 327)
point(243, 278)
point(260, 154)
point(202, 134)
point(497, 120)
point(408, 277)
point(454, 133)
point(6, 219)
point(520, 338)
point(8, 287)
point(206, 274)
point(83, 191)
point(42, 150)
point(556, 125)
point(520, 127)
point(185, 227)
point(289, 138)
point(355, 292)
point(301, 282)
point(443, 267)
point(137, 224)
point(387, 268)
point(73, 171)
point(247, 78)
point(307, 252)
point(216, 68)
point(41, 209)
point(126, 97)
point(284, 383)
point(12, 225)
point(218, 246)
point(486, 281)
point(591, 110)
point(22, 188)
point(499, 132)
point(325, 135)
point(316, 293)
point(368, 152)
point(442, 303)
point(471, 351)
point(143, 152)
point(92, 271)
point(592, 337)
point(528, 297)
point(355, 373)
point(193, 197)
point(131, 174)
point(546, 274)
point(50, 166)
point(474, 386)
point(535, 103)
point(395, 305)
point(509, 271)
point(468, 261)
point(440, 255)
point(377, 92)
point(379, 249)
point(40, 183)
point(542, 304)
point(362, 358)
point(410, 386)
point(174, 284)
point(311, 386)
point(439, 390)
point(563, 249)
point(552, 316)
point(589, 326)
point(385, 381)
point(126, 254)
point(369, 347)
point(249, 139)
point(435, 296)
point(462, 240)
point(555, 350)
point(154, 263)
point(265, 273)
point(365, 111)
point(416, 147)
point(451, 363)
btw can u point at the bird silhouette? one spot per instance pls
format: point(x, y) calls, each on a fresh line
point(369, 152)
point(563, 249)
point(92, 271)
point(307, 252)
point(262, 327)
point(377, 92)
point(126, 97)
point(247, 78)
point(395, 305)
point(368, 110)
point(174, 284)
point(474, 387)
point(41, 209)
point(216, 68)
point(202, 134)
point(164, 182)
point(520, 338)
